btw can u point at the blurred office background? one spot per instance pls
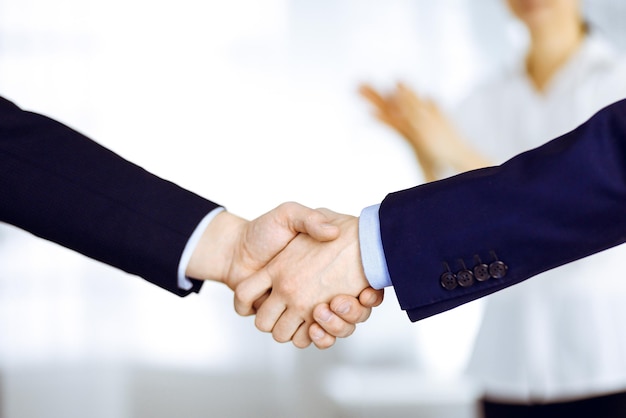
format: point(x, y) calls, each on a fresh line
point(249, 103)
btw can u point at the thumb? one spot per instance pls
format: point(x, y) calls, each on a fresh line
point(313, 222)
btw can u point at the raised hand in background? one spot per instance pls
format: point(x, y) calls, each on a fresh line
point(435, 141)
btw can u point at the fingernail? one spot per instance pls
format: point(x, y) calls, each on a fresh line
point(343, 308)
point(318, 334)
point(325, 315)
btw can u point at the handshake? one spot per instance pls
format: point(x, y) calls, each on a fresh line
point(298, 269)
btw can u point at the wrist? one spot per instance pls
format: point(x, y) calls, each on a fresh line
point(213, 255)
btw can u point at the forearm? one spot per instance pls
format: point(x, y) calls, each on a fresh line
point(544, 208)
point(61, 186)
point(467, 158)
point(430, 169)
point(442, 151)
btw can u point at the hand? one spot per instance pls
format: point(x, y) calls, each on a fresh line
point(305, 274)
point(339, 319)
point(387, 110)
point(430, 132)
point(232, 249)
point(435, 141)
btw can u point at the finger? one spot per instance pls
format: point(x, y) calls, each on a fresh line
point(372, 96)
point(333, 324)
point(394, 122)
point(301, 338)
point(269, 313)
point(300, 218)
point(257, 303)
point(367, 90)
point(286, 325)
point(371, 297)
point(349, 309)
point(250, 290)
point(409, 97)
point(320, 338)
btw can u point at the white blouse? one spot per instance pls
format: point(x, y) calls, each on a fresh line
point(561, 334)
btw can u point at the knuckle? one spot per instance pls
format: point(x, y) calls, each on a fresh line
point(262, 325)
point(348, 332)
point(241, 293)
point(344, 331)
point(280, 338)
point(242, 307)
point(287, 287)
point(324, 344)
point(288, 207)
point(242, 311)
point(354, 315)
point(364, 317)
point(301, 307)
point(301, 343)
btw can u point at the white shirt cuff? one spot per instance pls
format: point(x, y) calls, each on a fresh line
point(372, 253)
point(183, 282)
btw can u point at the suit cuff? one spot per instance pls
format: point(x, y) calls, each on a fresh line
point(372, 253)
point(183, 281)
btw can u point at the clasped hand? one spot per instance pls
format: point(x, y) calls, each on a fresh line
point(298, 269)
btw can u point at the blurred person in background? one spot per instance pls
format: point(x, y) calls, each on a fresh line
point(552, 346)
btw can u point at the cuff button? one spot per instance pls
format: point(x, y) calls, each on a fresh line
point(481, 270)
point(465, 278)
point(497, 269)
point(448, 281)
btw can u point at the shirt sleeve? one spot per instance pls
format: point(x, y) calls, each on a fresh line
point(372, 254)
point(183, 282)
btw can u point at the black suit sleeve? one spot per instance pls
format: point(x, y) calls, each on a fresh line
point(62, 186)
point(549, 206)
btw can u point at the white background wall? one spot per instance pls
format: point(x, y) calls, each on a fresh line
point(249, 104)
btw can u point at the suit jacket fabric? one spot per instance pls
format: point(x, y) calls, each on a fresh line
point(546, 207)
point(62, 186)
point(551, 323)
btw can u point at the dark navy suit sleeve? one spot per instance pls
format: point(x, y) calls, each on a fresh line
point(549, 206)
point(62, 186)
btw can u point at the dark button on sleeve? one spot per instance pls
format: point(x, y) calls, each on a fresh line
point(448, 280)
point(481, 272)
point(497, 269)
point(465, 278)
